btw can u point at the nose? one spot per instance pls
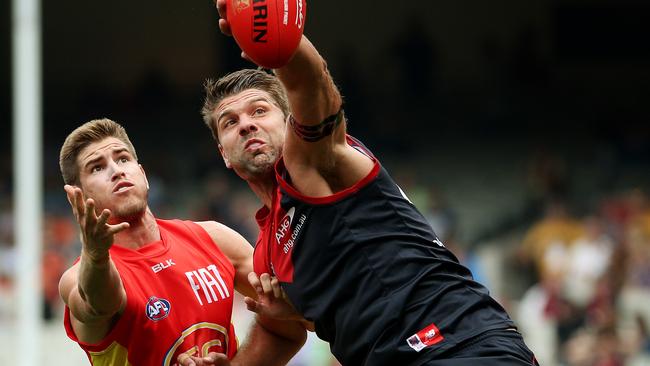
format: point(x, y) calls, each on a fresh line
point(246, 126)
point(117, 171)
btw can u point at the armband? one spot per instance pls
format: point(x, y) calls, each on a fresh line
point(317, 132)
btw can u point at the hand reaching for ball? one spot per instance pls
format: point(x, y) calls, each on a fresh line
point(267, 31)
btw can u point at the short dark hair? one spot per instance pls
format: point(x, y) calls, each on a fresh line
point(86, 134)
point(236, 82)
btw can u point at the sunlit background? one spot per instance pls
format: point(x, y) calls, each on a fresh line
point(520, 129)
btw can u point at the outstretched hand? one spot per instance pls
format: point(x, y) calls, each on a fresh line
point(271, 300)
point(96, 232)
point(224, 26)
point(213, 358)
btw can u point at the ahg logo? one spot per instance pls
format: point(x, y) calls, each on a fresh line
point(285, 235)
point(157, 309)
point(285, 225)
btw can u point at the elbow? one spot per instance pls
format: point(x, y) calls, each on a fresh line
point(101, 308)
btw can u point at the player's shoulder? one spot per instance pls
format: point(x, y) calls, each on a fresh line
point(215, 229)
point(231, 243)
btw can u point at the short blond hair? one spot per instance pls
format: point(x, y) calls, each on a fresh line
point(235, 83)
point(92, 131)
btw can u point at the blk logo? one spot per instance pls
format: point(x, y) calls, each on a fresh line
point(157, 309)
point(162, 265)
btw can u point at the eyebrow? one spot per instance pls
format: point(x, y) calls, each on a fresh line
point(229, 110)
point(97, 159)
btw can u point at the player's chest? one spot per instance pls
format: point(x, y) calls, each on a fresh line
point(158, 286)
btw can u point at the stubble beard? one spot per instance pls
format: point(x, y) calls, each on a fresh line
point(260, 166)
point(130, 211)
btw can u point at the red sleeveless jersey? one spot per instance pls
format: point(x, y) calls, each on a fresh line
point(179, 299)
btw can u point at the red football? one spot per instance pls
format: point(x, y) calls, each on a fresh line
point(268, 31)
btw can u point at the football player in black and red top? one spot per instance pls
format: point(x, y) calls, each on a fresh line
point(351, 252)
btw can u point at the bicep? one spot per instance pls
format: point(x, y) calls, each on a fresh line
point(87, 327)
point(69, 292)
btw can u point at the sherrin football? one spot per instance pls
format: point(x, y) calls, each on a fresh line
point(268, 31)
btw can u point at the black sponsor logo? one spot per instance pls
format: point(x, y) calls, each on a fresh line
point(260, 23)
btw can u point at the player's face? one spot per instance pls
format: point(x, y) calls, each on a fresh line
point(251, 132)
point(110, 175)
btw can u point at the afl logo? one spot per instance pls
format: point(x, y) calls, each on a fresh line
point(240, 5)
point(157, 309)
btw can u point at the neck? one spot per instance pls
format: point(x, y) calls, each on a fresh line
point(263, 189)
point(141, 231)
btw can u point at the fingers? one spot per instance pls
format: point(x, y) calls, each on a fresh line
point(114, 229)
point(251, 304)
point(75, 198)
point(245, 57)
point(213, 358)
point(221, 8)
point(265, 284)
point(79, 202)
point(185, 360)
point(255, 282)
point(103, 217)
point(69, 193)
point(275, 287)
point(110, 229)
point(265, 280)
point(224, 27)
point(91, 218)
point(218, 359)
point(84, 211)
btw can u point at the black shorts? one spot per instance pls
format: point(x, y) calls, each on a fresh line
point(493, 348)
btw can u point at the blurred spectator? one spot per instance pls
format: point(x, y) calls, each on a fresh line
point(7, 301)
point(547, 243)
point(587, 260)
point(439, 215)
point(7, 260)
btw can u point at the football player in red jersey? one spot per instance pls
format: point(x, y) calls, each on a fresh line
point(142, 283)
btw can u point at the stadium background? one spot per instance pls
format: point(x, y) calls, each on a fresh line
point(519, 128)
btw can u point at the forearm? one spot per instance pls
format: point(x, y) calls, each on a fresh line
point(310, 88)
point(267, 347)
point(100, 285)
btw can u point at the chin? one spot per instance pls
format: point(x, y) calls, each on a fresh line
point(130, 213)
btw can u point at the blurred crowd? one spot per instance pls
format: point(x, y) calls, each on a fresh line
point(589, 301)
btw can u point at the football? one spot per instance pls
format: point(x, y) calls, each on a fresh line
point(268, 31)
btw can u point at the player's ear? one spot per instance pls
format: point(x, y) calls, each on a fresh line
point(144, 174)
point(224, 156)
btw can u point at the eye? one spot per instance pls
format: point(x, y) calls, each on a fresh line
point(123, 159)
point(96, 168)
point(227, 123)
point(259, 111)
